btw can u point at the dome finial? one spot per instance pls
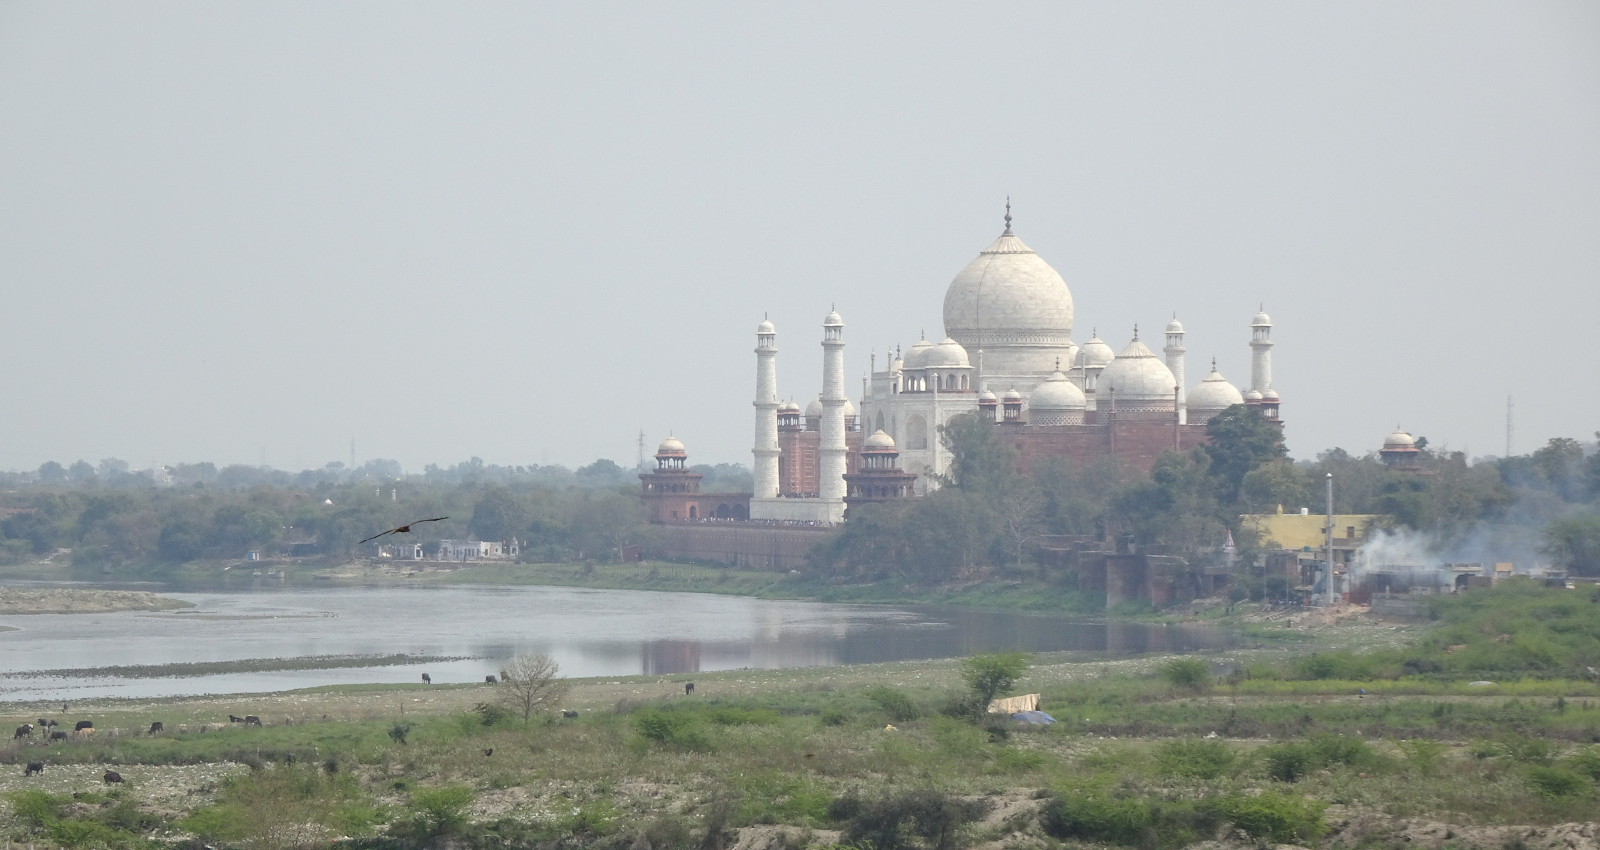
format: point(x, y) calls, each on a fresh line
point(1008, 215)
point(1213, 364)
point(1135, 331)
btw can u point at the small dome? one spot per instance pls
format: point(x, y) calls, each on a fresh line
point(947, 354)
point(832, 320)
point(670, 446)
point(1261, 319)
point(1270, 395)
point(1095, 352)
point(1057, 393)
point(1398, 441)
point(849, 409)
point(1252, 395)
point(1174, 326)
point(879, 441)
point(788, 407)
point(898, 365)
point(916, 357)
point(814, 409)
point(1013, 397)
point(1137, 375)
point(986, 396)
point(765, 328)
point(1214, 393)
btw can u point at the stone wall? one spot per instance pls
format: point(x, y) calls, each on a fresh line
point(737, 544)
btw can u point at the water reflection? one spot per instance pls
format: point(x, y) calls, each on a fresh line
point(589, 632)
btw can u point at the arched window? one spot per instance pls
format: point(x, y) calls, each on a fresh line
point(692, 512)
point(916, 432)
point(879, 421)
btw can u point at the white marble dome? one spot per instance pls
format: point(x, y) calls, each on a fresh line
point(1008, 297)
point(1399, 440)
point(1012, 397)
point(832, 320)
point(1261, 319)
point(1136, 375)
point(1252, 395)
point(1057, 393)
point(1095, 352)
point(878, 440)
point(1214, 393)
point(766, 327)
point(1174, 326)
point(670, 446)
point(947, 354)
point(814, 409)
point(916, 357)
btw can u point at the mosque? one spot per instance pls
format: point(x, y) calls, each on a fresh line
point(1007, 355)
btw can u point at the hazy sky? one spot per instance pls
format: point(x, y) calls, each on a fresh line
point(247, 232)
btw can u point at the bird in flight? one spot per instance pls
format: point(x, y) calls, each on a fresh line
point(404, 529)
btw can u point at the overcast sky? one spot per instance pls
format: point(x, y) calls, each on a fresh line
point(248, 232)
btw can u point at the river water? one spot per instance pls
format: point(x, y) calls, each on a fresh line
point(589, 632)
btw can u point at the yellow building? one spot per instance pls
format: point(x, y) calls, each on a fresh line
point(1298, 531)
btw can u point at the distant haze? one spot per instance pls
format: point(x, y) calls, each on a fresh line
point(246, 232)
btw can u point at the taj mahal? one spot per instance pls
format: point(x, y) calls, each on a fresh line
point(1007, 355)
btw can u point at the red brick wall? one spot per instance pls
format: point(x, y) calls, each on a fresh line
point(1139, 443)
point(749, 545)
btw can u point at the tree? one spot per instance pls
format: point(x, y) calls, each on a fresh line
point(980, 462)
point(1238, 440)
point(1019, 509)
point(1276, 483)
point(1574, 544)
point(989, 675)
point(499, 515)
point(529, 682)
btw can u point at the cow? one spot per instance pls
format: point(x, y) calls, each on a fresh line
point(569, 713)
point(112, 777)
point(234, 718)
point(86, 732)
point(23, 731)
point(688, 688)
point(490, 679)
point(58, 735)
point(157, 727)
point(426, 679)
point(82, 725)
point(46, 723)
point(252, 720)
point(33, 767)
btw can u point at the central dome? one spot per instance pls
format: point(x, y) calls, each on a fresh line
point(1008, 297)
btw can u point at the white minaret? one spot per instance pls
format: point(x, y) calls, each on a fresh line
point(1174, 351)
point(766, 447)
point(1261, 353)
point(832, 463)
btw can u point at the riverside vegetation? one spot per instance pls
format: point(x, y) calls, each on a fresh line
point(1147, 753)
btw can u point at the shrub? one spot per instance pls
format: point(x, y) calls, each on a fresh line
point(436, 813)
point(399, 731)
point(1197, 758)
point(1271, 816)
point(1341, 664)
point(673, 728)
point(1423, 755)
point(833, 717)
point(989, 675)
point(1192, 673)
point(1587, 762)
point(886, 823)
point(894, 703)
point(1557, 781)
point(1287, 762)
point(490, 713)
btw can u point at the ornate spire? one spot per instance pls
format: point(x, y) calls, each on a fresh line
point(1135, 331)
point(1008, 216)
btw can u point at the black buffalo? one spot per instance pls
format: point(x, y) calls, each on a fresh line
point(157, 727)
point(688, 688)
point(23, 731)
point(33, 767)
point(426, 679)
point(568, 713)
point(234, 718)
point(45, 723)
point(58, 736)
point(112, 777)
point(490, 680)
point(252, 720)
point(82, 725)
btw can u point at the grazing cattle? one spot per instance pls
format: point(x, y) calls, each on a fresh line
point(157, 727)
point(112, 777)
point(688, 688)
point(23, 731)
point(488, 752)
point(85, 732)
point(489, 680)
point(569, 713)
point(426, 679)
point(234, 718)
point(45, 723)
point(58, 735)
point(82, 725)
point(34, 767)
point(252, 720)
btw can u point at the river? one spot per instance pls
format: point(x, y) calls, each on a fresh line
point(589, 632)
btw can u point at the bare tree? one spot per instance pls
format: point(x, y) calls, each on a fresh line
point(529, 682)
point(1020, 511)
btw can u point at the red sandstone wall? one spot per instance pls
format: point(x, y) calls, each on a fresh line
point(749, 545)
point(1139, 443)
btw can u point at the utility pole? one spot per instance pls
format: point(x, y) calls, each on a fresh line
point(1329, 530)
point(640, 467)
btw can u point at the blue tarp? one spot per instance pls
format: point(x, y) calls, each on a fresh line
point(1038, 717)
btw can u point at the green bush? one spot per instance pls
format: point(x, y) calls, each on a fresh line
point(1192, 673)
point(888, 822)
point(1271, 816)
point(894, 703)
point(990, 675)
point(1197, 758)
point(1341, 664)
point(1288, 762)
point(673, 728)
point(1587, 762)
point(490, 713)
point(1422, 754)
point(1558, 781)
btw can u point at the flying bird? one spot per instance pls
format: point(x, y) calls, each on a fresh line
point(404, 529)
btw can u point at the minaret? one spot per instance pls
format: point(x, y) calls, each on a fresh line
point(1174, 351)
point(766, 403)
point(1261, 353)
point(832, 465)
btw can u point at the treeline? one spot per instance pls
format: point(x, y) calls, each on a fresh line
point(129, 522)
point(988, 519)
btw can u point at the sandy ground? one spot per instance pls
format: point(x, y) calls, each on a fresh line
point(50, 600)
